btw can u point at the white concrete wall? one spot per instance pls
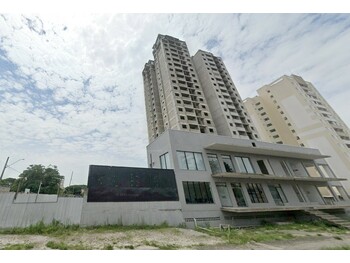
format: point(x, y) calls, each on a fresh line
point(132, 213)
point(67, 210)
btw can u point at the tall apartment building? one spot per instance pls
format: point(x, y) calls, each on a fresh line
point(175, 90)
point(192, 94)
point(225, 104)
point(291, 111)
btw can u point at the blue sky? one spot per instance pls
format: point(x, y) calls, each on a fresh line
point(71, 87)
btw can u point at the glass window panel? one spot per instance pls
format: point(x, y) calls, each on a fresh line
point(240, 164)
point(182, 160)
point(228, 163)
point(186, 192)
point(197, 192)
point(167, 161)
point(190, 161)
point(248, 165)
point(214, 163)
point(192, 192)
point(256, 193)
point(162, 162)
point(199, 161)
point(299, 194)
point(207, 187)
point(311, 169)
point(326, 171)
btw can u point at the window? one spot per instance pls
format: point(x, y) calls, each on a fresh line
point(256, 193)
point(190, 161)
point(299, 193)
point(311, 169)
point(262, 167)
point(197, 193)
point(244, 165)
point(165, 161)
point(278, 194)
point(214, 163)
point(228, 163)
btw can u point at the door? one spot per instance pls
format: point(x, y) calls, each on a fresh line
point(238, 193)
point(223, 194)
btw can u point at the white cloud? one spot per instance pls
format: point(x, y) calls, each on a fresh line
point(73, 96)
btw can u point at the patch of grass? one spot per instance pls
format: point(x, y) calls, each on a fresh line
point(243, 236)
point(58, 229)
point(161, 246)
point(55, 228)
point(338, 238)
point(309, 226)
point(64, 246)
point(270, 232)
point(108, 247)
point(129, 247)
point(345, 247)
point(18, 247)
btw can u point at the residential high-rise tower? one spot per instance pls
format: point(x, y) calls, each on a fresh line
point(291, 111)
point(192, 94)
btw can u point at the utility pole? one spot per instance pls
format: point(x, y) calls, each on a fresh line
point(3, 170)
point(71, 176)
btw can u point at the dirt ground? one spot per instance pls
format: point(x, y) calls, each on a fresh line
point(175, 238)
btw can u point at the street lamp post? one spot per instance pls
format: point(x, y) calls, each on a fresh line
point(3, 170)
point(8, 166)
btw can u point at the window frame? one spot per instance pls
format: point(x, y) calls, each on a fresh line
point(241, 158)
point(256, 193)
point(197, 158)
point(195, 191)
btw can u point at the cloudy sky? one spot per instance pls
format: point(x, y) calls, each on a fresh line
point(71, 90)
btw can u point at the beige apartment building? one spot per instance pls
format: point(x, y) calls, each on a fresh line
point(192, 94)
point(291, 111)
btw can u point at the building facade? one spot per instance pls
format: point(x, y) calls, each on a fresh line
point(223, 180)
point(291, 111)
point(193, 94)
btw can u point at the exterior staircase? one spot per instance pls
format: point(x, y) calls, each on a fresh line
point(332, 219)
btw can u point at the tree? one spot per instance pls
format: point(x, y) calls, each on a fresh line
point(37, 175)
point(75, 190)
point(7, 182)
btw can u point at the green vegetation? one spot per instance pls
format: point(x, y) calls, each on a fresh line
point(63, 246)
point(75, 190)
point(309, 226)
point(108, 247)
point(269, 232)
point(58, 229)
point(37, 175)
point(161, 246)
point(55, 228)
point(243, 236)
point(7, 182)
point(18, 247)
point(346, 247)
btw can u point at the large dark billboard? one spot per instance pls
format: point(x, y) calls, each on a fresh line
point(128, 184)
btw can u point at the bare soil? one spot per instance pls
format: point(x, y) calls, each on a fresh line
point(175, 238)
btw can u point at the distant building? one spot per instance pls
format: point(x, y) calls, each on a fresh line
point(291, 111)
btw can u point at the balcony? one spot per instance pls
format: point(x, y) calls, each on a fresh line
point(270, 177)
point(283, 208)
